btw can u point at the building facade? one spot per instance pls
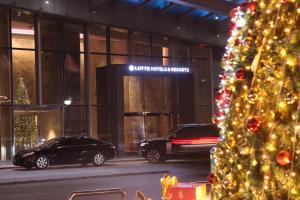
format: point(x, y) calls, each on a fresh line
point(63, 77)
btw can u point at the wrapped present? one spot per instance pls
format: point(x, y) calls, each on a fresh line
point(186, 191)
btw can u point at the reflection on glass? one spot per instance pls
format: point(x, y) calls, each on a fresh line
point(74, 78)
point(50, 34)
point(97, 39)
point(99, 79)
point(51, 77)
point(24, 76)
point(101, 123)
point(134, 133)
point(4, 77)
point(73, 37)
point(74, 121)
point(50, 124)
point(25, 130)
point(5, 133)
point(161, 46)
point(22, 29)
point(118, 41)
point(157, 126)
point(141, 44)
point(4, 33)
point(154, 93)
point(119, 59)
point(133, 94)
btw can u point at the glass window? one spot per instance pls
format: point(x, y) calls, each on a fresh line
point(51, 77)
point(181, 49)
point(74, 120)
point(5, 133)
point(4, 26)
point(138, 60)
point(161, 61)
point(4, 77)
point(74, 78)
point(50, 34)
point(24, 77)
point(182, 62)
point(73, 37)
point(119, 59)
point(22, 26)
point(118, 41)
point(161, 46)
point(25, 129)
point(50, 124)
point(101, 123)
point(141, 44)
point(99, 79)
point(97, 39)
point(200, 51)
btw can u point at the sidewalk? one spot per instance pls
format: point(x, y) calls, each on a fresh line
point(9, 165)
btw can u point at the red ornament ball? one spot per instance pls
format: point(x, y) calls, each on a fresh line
point(240, 74)
point(211, 178)
point(284, 158)
point(253, 124)
point(252, 6)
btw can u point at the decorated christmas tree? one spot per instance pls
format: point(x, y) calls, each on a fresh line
point(258, 155)
point(25, 128)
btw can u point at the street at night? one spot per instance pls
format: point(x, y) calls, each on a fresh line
point(136, 175)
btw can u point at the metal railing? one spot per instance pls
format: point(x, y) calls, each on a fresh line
point(101, 192)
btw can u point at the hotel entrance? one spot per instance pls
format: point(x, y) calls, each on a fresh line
point(154, 105)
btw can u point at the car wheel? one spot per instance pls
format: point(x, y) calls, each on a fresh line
point(42, 162)
point(99, 159)
point(154, 156)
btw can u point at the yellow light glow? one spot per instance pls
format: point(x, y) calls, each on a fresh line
point(201, 192)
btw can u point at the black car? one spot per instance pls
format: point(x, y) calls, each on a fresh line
point(66, 150)
point(188, 140)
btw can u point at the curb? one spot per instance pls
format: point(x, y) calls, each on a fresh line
point(86, 177)
point(109, 161)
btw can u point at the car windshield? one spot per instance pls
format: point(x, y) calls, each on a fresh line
point(49, 143)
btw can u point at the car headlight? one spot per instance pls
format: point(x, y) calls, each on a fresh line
point(143, 144)
point(28, 154)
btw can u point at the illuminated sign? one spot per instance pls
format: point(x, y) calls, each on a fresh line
point(141, 68)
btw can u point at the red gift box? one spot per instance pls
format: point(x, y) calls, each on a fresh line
point(187, 191)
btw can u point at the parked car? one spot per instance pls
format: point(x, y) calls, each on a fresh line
point(66, 150)
point(189, 140)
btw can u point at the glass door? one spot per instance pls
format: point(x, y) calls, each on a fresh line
point(148, 109)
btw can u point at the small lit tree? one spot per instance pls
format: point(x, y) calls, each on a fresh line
point(25, 128)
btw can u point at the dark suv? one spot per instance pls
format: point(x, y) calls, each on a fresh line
point(66, 150)
point(187, 141)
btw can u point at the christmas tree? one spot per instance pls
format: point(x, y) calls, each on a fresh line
point(257, 156)
point(25, 128)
